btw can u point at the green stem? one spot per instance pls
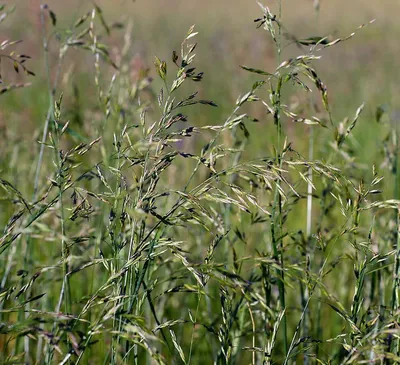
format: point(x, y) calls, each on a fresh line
point(276, 226)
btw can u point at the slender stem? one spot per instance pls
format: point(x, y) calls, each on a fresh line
point(394, 305)
point(193, 328)
point(312, 291)
point(279, 30)
point(41, 152)
point(52, 87)
point(310, 178)
point(309, 253)
point(308, 235)
point(65, 294)
point(50, 110)
point(117, 321)
point(253, 327)
point(276, 217)
point(396, 282)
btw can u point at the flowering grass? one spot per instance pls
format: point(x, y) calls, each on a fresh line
point(134, 232)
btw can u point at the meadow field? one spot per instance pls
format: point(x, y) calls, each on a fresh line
point(199, 182)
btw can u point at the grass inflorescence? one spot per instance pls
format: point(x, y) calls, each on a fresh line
point(137, 235)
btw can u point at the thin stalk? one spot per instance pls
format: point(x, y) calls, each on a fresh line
point(279, 30)
point(309, 250)
point(312, 291)
point(51, 90)
point(372, 355)
point(65, 293)
point(193, 329)
point(118, 289)
point(309, 186)
point(89, 337)
point(65, 289)
point(396, 282)
point(128, 279)
point(50, 112)
point(308, 233)
point(277, 244)
point(394, 305)
point(276, 217)
point(253, 327)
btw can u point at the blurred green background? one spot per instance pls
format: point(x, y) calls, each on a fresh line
point(362, 69)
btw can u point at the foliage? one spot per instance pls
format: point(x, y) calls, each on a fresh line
point(149, 238)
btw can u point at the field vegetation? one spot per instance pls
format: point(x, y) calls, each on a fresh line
point(225, 193)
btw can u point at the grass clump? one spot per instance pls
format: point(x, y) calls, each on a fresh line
point(149, 238)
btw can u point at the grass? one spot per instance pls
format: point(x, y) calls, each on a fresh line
point(146, 221)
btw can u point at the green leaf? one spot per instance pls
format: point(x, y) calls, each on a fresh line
point(312, 41)
point(256, 71)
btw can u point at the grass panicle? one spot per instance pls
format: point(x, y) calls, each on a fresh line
point(136, 231)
